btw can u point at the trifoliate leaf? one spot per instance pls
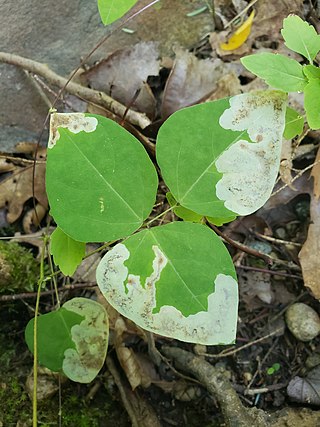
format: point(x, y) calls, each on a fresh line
point(301, 37)
point(277, 70)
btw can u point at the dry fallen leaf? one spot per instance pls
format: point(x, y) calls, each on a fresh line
point(16, 189)
point(309, 254)
point(123, 75)
point(306, 390)
point(254, 284)
point(286, 163)
point(129, 361)
point(190, 81)
point(240, 35)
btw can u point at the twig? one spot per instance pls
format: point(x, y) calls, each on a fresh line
point(240, 14)
point(240, 246)
point(19, 159)
point(76, 89)
point(272, 272)
point(25, 295)
point(275, 240)
point(296, 177)
point(226, 353)
point(217, 383)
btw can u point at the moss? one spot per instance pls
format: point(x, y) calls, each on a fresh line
point(19, 271)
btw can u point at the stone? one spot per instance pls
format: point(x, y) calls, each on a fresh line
point(303, 321)
point(59, 33)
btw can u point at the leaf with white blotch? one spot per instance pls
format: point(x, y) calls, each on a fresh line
point(67, 252)
point(301, 37)
point(176, 280)
point(226, 160)
point(100, 182)
point(278, 71)
point(111, 10)
point(73, 339)
point(294, 124)
point(311, 103)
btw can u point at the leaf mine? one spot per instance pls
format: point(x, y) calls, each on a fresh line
point(250, 168)
point(141, 301)
point(74, 122)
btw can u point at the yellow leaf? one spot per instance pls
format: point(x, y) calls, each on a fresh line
point(239, 36)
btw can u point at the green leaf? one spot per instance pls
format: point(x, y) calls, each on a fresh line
point(176, 280)
point(294, 124)
point(73, 339)
point(100, 182)
point(300, 37)
point(226, 160)
point(312, 104)
point(111, 10)
point(67, 252)
point(277, 70)
point(311, 72)
point(181, 212)
point(220, 221)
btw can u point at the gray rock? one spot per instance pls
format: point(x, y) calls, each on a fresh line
point(303, 321)
point(59, 33)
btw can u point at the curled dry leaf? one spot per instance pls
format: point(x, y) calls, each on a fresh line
point(125, 72)
point(286, 163)
point(255, 284)
point(129, 361)
point(190, 81)
point(32, 218)
point(16, 189)
point(306, 390)
point(309, 254)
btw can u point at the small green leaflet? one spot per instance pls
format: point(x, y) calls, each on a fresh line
point(312, 104)
point(188, 215)
point(277, 70)
point(95, 193)
point(233, 146)
point(311, 72)
point(301, 37)
point(67, 252)
point(181, 212)
point(111, 10)
point(73, 339)
point(294, 124)
point(176, 280)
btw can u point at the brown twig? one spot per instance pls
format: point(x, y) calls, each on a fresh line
point(217, 383)
point(26, 295)
point(271, 272)
point(240, 246)
point(76, 89)
point(226, 353)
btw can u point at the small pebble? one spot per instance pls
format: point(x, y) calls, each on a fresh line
point(303, 321)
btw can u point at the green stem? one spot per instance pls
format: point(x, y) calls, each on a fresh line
point(35, 341)
point(159, 216)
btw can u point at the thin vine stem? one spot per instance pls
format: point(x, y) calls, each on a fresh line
point(159, 216)
point(35, 336)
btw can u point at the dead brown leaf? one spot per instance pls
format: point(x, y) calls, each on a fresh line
point(16, 189)
point(309, 254)
point(135, 370)
point(123, 76)
point(190, 81)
